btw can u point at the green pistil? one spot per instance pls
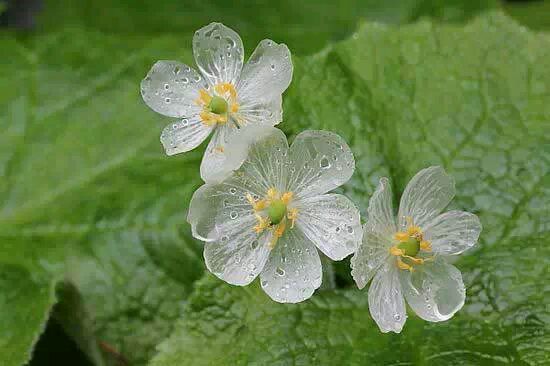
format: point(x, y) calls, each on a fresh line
point(411, 247)
point(217, 105)
point(276, 211)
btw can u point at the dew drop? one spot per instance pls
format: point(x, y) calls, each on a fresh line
point(254, 244)
point(263, 283)
point(350, 230)
point(233, 215)
point(232, 190)
point(197, 78)
point(397, 317)
point(166, 86)
point(272, 66)
point(324, 163)
point(225, 238)
point(225, 203)
point(185, 80)
point(177, 70)
point(280, 271)
point(167, 100)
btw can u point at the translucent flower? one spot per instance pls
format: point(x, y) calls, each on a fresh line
point(406, 259)
point(222, 97)
point(269, 215)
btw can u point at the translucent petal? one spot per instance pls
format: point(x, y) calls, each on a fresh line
point(219, 53)
point(212, 165)
point(320, 162)
point(434, 291)
point(426, 195)
point(240, 254)
point(377, 235)
point(453, 232)
point(184, 135)
point(171, 88)
point(215, 209)
point(386, 303)
point(260, 112)
point(267, 74)
point(293, 271)
point(331, 222)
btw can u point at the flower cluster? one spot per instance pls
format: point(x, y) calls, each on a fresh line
point(265, 209)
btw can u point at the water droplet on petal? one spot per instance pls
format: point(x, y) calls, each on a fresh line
point(280, 271)
point(233, 215)
point(324, 163)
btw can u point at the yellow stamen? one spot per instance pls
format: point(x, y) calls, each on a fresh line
point(204, 98)
point(263, 223)
point(234, 107)
point(403, 265)
point(257, 205)
point(219, 149)
point(396, 251)
point(272, 194)
point(414, 231)
point(223, 88)
point(426, 246)
point(292, 216)
point(287, 197)
point(277, 233)
point(414, 259)
point(401, 237)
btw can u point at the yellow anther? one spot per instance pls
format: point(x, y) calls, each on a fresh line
point(234, 107)
point(414, 259)
point(219, 149)
point(403, 265)
point(426, 246)
point(396, 251)
point(401, 237)
point(263, 223)
point(287, 197)
point(292, 216)
point(223, 88)
point(204, 98)
point(272, 194)
point(257, 205)
point(414, 231)
point(277, 233)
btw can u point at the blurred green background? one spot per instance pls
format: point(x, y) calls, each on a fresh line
point(88, 198)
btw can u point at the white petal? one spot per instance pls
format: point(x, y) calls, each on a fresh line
point(386, 303)
point(331, 222)
point(267, 74)
point(320, 162)
point(434, 291)
point(217, 208)
point(426, 195)
point(171, 88)
point(184, 135)
point(240, 254)
point(453, 232)
point(260, 112)
point(213, 162)
point(293, 271)
point(219, 53)
point(258, 152)
point(377, 235)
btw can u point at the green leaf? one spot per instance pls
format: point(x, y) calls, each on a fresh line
point(305, 26)
point(474, 99)
point(25, 302)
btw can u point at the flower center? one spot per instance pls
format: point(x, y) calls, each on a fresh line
point(272, 213)
point(410, 244)
point(217, 105)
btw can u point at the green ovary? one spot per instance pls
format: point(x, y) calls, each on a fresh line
point(411, 247)
point(218, 105)
point(276, 211)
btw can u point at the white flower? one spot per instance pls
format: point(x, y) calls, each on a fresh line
point(222, 97)
point(269, 216)
point(406, 260)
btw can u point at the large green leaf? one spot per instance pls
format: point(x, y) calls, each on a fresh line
point(475, 100)
point(87, 192)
